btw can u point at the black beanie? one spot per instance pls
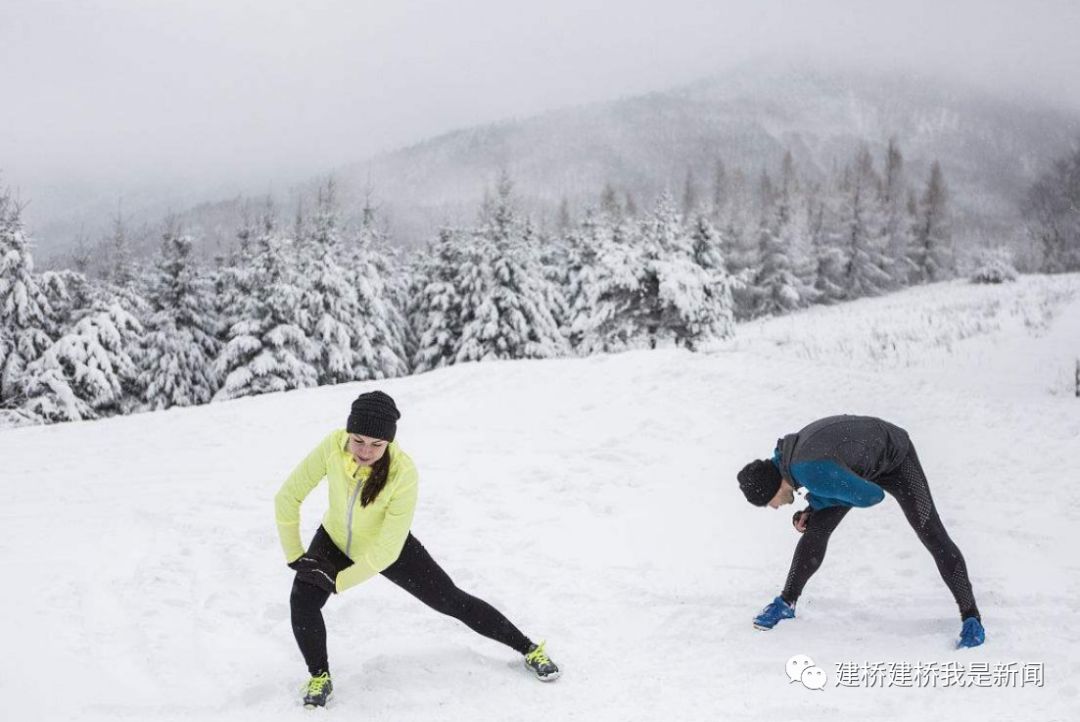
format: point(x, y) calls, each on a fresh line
point(759, 481)
point(373, 414)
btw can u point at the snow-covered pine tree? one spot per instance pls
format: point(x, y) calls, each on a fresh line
point(438, 313)
point(1052, 211)
point(180, 346)
point(690, 200)
point(89, 372)
point(714, 318)
point(604, 284)
point(896, 227)
point(329, 295)
point(721, 194)
point(506, 298)
point(120, 269)
point(267, 349)
point(234, 279)
point(655, 290)
point(70, 294)
point(25, 314)
point(932, 253)
point(780, 285)
point(381, 333)
point(825, 239)
point(738, 231)
point(861, 223)
point(583, 248)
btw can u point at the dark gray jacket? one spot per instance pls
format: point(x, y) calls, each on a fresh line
point(834, 457)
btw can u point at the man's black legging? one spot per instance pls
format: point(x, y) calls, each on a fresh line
point(908, 485)
point(415, 572)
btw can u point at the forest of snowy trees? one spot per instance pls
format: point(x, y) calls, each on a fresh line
point(307, 301)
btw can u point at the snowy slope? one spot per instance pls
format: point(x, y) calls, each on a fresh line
point(593, 501)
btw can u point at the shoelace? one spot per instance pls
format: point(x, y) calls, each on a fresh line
point(538, 656)
point(772, 608)
point(315, 686)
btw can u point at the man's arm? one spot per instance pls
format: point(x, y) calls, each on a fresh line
point(833, 484)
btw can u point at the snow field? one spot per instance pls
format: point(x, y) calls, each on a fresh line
point(594, 502)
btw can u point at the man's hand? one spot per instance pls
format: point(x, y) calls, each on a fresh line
point(800, 519)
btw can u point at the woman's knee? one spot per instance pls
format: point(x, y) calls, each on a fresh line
point(307, 596)
point(452, 602)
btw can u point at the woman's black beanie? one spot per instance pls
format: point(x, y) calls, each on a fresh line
point(373, 414)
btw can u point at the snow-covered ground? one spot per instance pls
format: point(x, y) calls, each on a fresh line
point(592, 500)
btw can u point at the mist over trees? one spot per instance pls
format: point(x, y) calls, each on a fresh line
point(1052, 210)
point(310, 299)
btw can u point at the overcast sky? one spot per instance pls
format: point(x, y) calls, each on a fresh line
point(114, 92)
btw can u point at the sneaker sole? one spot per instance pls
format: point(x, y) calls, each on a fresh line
point(317, 706)
point(550, 678)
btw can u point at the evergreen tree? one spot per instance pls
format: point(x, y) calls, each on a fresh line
point(828, 258)
point(933, 253)
point(180, 347)
point(781, 283)
point(25, 313)
point(690, 200)
point(89, 372)
point(656, 290)
point(584, 248)
point(740, 245)
point(438, 315)
point(507, 300)
point(382, 337)
point(1052, 210)
point(329, 296)
point(861, 223)
point(721, 192)
point(120, 270)
point(268, 349)
point(896, 229)
point(714, 316)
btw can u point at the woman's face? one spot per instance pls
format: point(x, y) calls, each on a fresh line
point(366, 449)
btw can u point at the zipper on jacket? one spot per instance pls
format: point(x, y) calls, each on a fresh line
point(348, 519)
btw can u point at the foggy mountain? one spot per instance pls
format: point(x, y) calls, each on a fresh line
point(990, 149)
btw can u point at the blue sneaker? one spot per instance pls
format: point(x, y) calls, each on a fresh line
point(972, 634)
point(771, 615)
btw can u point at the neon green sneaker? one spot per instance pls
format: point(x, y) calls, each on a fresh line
point(540, 664)
point(318, 691)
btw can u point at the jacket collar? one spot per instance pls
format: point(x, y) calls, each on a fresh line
point(782, 457)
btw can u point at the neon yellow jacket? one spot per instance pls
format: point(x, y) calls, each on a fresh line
point(373, 535)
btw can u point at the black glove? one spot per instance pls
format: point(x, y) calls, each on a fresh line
point(798, 516)
point(316, 571)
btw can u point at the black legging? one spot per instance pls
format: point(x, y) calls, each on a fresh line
point(908, 485)
point(415, 572)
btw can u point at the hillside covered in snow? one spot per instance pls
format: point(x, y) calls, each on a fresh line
point(593, 501)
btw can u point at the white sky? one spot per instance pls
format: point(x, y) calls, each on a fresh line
point(221, 91)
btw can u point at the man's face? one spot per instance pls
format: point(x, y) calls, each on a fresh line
point(784, 495)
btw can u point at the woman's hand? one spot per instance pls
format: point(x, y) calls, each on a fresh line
point(316, 571)
point(800, 519)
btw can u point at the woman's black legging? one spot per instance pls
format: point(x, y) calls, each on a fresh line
point(908, 485)
point(415, 572)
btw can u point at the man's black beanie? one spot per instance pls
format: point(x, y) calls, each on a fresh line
point(759, 481)
point(373, 414)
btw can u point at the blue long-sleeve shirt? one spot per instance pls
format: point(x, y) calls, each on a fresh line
point(831, 484)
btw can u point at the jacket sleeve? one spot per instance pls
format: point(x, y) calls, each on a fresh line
point(391, 538)
point(305, 477)
point(833, 484)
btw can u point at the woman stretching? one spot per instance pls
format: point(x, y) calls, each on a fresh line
point(372, 485)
